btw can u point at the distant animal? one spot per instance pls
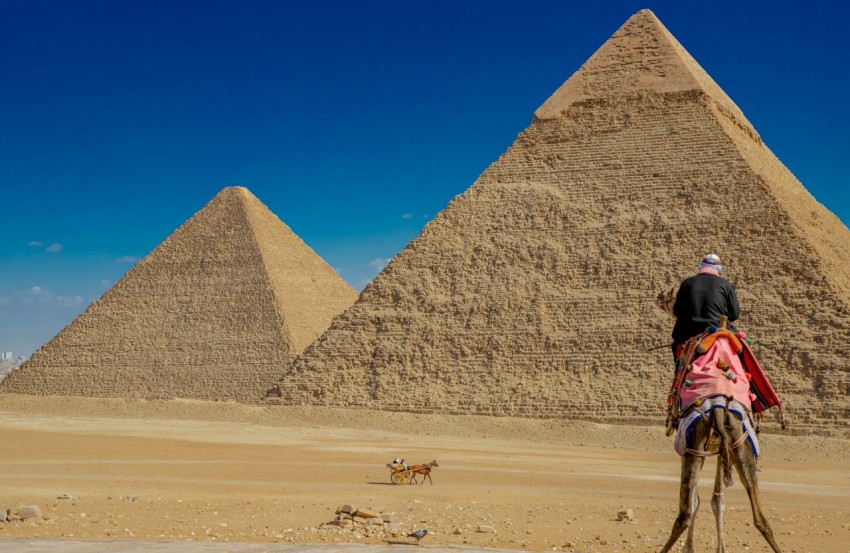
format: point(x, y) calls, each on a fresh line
point(419, 534)
point(425, 470)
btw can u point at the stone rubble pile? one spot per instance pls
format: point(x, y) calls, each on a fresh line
point(18, 512)
point(364, 521)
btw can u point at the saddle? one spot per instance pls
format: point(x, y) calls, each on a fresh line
point(719, 362)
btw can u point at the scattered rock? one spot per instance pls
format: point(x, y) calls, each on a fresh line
point(625, 515)
point(458, 532)
point(347, 509)
point(486, 529)
point(359, 520)
point(340, 522)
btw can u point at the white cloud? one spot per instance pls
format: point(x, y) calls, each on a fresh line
point(126, 259)
point(38, 295)
point(379, 263)
point(407, 215)
point(54, 248)
point(35, 243)
point(68, 301)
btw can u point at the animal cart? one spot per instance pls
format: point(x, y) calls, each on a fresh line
point(399, 473)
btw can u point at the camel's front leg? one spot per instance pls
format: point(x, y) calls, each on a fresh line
point(718, 507)
point(688, 500)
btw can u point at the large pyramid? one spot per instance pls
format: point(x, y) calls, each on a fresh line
point(212, 313)
point(532, 293)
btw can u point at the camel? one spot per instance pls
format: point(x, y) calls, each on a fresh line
point(733, 450)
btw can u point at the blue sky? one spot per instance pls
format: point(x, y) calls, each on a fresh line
point(355, 122)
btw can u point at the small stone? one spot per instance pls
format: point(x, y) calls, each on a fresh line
point(388, 517)
point(348, 509)
point(365, 513)
point(30, 511)
point(486, 529)
point(458, 532)
point(359, 520)
point(340, 522)
point(375, 521)
point(626, 514)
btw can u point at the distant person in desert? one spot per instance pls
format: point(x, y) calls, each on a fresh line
point(700, 302)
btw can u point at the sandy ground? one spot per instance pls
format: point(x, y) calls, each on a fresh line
point(137, 470)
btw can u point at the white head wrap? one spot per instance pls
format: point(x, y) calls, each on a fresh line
point(711, 261)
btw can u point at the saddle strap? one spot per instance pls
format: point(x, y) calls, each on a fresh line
point(735, 445)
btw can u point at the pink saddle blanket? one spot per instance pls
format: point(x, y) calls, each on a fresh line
point(717, 372)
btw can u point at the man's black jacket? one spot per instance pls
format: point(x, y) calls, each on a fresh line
point(700, 302)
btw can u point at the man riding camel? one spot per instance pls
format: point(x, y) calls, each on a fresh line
point(717, 397)
point(700, 302)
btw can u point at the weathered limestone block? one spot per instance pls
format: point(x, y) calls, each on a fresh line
point(30, 512)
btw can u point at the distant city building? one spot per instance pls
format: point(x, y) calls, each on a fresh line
point(7, 356)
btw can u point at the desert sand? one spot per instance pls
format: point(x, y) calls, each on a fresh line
point(206, 471)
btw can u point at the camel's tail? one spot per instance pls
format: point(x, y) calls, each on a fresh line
point(719, 419)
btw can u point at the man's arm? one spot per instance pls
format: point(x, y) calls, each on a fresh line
point(732, 304)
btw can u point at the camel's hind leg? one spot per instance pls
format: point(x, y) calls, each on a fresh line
point(688, 501)
point(718, 507)
point(745, 462)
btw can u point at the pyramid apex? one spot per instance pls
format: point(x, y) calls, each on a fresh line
point(236, 193)
point(234, 189)
point(641, 57)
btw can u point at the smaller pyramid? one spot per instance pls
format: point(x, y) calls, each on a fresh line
point(212, 313)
